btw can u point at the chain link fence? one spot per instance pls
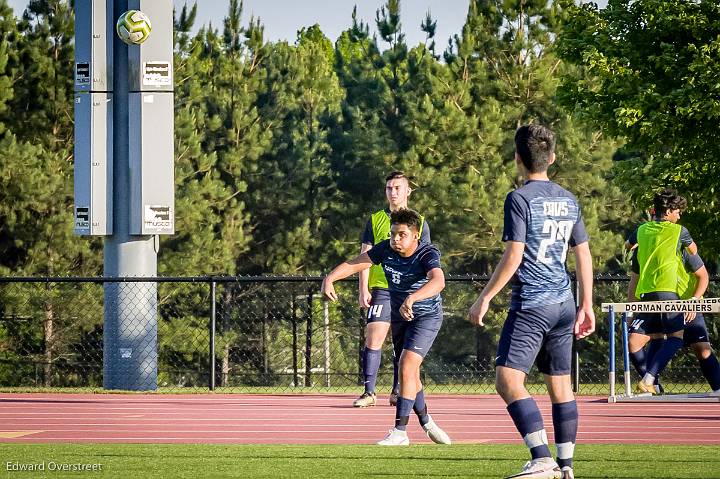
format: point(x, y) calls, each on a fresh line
point(273, 334)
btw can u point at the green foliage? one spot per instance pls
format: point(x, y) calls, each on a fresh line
point(648, 76)
point(281, 150)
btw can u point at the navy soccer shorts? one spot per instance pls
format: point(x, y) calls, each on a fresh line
point(417, 335)
point(542, 336)
point(696, 331)
point(645, 323)
point(667, 323)
point(379, 309)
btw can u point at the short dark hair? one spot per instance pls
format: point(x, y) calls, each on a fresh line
point(535, 145)
point(668, 199)
point(406, 216)
point(395, 174)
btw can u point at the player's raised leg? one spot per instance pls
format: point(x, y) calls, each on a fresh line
point(673, 325)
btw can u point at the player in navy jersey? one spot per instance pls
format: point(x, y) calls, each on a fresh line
point(373, 294)
point(415, 280)
point(646, 328)
point(542, 220)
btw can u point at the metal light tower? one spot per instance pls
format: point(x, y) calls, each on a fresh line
point(124, 181)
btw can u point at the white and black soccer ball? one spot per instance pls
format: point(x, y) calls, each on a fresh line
point(133, 27)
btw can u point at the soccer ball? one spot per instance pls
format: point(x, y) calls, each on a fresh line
point(133, 27)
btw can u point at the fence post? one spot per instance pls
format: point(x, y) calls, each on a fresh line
point(308, 341)
point(213, 318)
point(326, 320)
point(295, 341)
point(611, 360)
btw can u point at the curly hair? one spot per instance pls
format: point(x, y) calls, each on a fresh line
point(406, 216)
point(668, 199)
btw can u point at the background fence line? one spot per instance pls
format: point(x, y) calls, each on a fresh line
point(274, 333)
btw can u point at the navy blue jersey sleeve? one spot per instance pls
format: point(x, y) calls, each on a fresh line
point(378, 252)
point(367, 235)
point(685, 238)
point(692, 262)
point(425, 233)
point(579, 234)
point(634, 263)
point(516, 217)
point(430, 259)
point(632, 237)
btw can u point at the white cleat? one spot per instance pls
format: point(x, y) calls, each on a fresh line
point(540, 468)
point(567, 473)
point(395, 437)
point(436, 435)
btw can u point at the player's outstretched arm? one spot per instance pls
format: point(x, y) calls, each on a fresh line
point(341, 271)
point(512, 257)
point(585, 319)
point(364, 295)
point(435, 284)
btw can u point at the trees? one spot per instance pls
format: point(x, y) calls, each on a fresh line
point(218, 140)
point(293, 193)
point(36, 226)
point(648, 76)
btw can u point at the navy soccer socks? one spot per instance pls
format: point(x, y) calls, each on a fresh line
point(565, 423)
point(658, 362)
point(402, 412)
point(653, 347)
point(529, 423)
point(420, 408)
point(371, 365)
point(711, 370)
point(638, 359)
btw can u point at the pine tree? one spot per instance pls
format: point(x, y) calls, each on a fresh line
point(293, 193)
point(36, 175)
point(508, 49)
point(363, 148)
point(218, 139)
point(648, 76)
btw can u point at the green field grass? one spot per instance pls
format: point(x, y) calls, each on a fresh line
point(333, 461)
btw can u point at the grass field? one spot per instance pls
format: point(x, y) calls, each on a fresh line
point(330, 461)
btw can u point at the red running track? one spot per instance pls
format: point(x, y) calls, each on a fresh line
point(325, 419)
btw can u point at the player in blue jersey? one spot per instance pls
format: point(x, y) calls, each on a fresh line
point(373, 294)
point(646, 328)
point(542, 220)
point(415, 280)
